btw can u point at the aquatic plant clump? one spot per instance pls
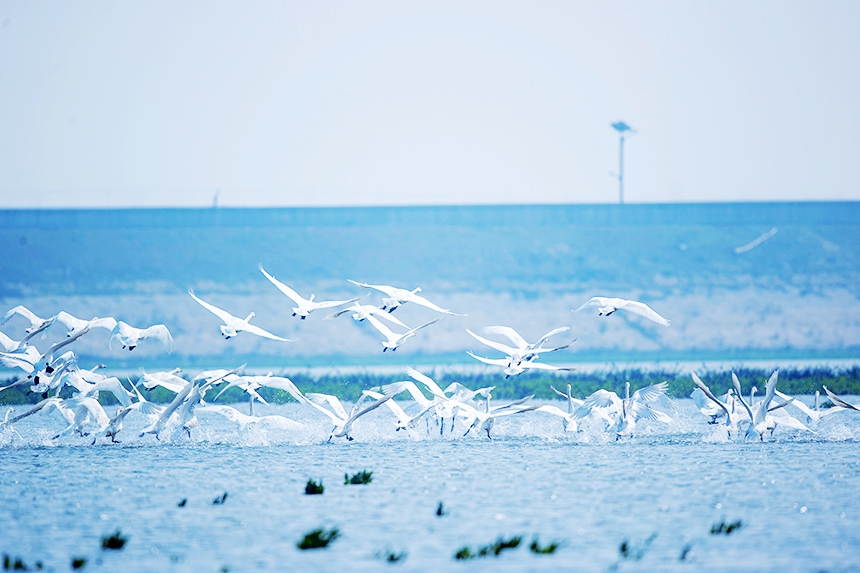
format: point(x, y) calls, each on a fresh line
point(314, 488)
point(536, 548)
point(318, 538)
point(78, 562)
point(114, 542)
point(220, 500)
point(723, 528)
point(361, 478)
point(17, 564)
point(494, 549)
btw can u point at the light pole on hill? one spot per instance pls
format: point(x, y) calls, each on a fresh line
point(622, 129)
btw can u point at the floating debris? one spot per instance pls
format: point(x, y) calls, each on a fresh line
point(360, 478)
point(686, 553)
point(549, 549)
point(723, 528)
point(78, 562)
point(183, 502)
point(318, 538)
point(220, 500)
point(314, 488)
point(495, 548)
point(114, 542)
point(390, 556)
point(440, 510)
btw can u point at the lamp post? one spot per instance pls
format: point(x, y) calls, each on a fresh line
point(622, 128)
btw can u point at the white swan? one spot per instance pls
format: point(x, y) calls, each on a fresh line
point(837, 401)
point(814, 414)
point(88, 412)
point(168, 380)
point(726, 405)
point(271, 422)
point(513, 367)
point(393, 340)
point(128, 336)
point(523, 351)
point(233, 325)
point(486, 420)
point(399, 296)
point(335, 411)
point(357, 315)
point(606, 306)
point(37, 324)
point(305, 305)
point(76, 325)
point(760, 419)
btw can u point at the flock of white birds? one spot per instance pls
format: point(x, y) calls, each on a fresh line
point(454, 409)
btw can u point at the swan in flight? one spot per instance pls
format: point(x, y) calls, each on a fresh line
point(356, 310)
point(87, 412)
point(523, 351)
point(484, 421)
point(521, 342)
point(76, 325)
point(305, 305)
point(514, 367)
point(33, 362)
point(129, 336)
point(399, 296)
point(37, 324)
point(606, 306)
point(272, 422)
point(393, 340)
point(331, 407)
point(404, 420)
point(626, 411)
point(168, 380)
point(233, 325)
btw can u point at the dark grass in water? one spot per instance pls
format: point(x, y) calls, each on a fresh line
point(350, 387)
point(493, 549)
point(78, 562)
point(314, 488)
point(114, 542)
point(723, 528)
point(220, 500)
point(548, 549)
point(18, 564)
point(360, 478)
point(318, 538)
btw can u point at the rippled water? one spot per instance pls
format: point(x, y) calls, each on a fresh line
point(797, 497)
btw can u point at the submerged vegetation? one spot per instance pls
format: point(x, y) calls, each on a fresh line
point(114, 542)
point(349, 387)
point(536, 548)
point(360, 478)
point(314, 488)
point(17, 564)
point(723, 528)
point(495, 549)
point(220, 500)
point(318, 538)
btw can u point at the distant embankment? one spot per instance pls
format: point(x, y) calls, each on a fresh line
point(729, 283)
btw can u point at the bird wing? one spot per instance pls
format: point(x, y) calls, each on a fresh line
point(600, 399)
point(384, 330)
point(770, 389)
point(333, 303)
point(26, 361)
point(593, 301)
point(108, 323)
point(428, 382)
point(552, 332)
point(282, 383)
point(71, 322)
point(254, 329)
point(8, 344)
point(790, 422)
point(796, 403)
point(643, 309)
point(396, 388)
point(160, 333)
point(425, 325)
point(22, 311)
point(330, 401)
point(510, 351)
point(389, 290)
point(508, 333)
point(296, 297)
point(376, 311)
point(503, 362)
point(839, 401)
point(220, 313)
point(740, 396)
point(418, 299)
point(650, 393)
point(644, 412)
point(228, 412)
point(541, 366)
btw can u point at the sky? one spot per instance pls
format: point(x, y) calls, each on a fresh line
point(182, 104)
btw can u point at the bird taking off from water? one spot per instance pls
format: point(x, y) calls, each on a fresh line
point(606, 306)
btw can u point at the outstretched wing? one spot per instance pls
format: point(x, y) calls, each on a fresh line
point(296, 297)
point(508, 333)
point(254, 329)
point(593, 301)
point(22, 311)
point(643, 309)
point(389, 290)
point(160, 333)
point(503, 362)
point(418, 299)
point(498, 345)
point(220, 313)
point(552, 332)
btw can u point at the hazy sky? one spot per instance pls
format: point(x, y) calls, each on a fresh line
point(370, 103)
